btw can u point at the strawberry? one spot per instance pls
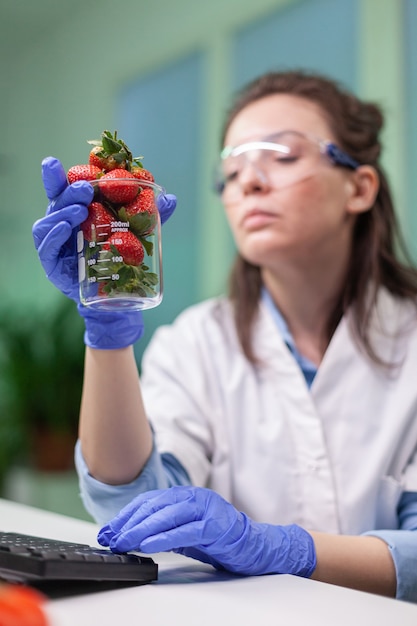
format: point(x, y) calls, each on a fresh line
point(102, 289)
point(119, 191)
point(142, 174)
point(123, 199)
point(83, 172)
point(142, 213)
point(106, 163)
point(143, 203)
point(127, 246)
point(98, 223)
point(110, 152)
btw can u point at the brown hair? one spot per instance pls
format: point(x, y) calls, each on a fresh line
point(377, 244)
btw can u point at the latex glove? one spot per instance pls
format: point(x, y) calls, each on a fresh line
point(54, 237)
point(199, 523)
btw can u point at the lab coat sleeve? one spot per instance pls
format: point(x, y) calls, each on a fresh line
point(104, 501)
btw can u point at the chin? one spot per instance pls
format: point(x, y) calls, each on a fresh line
point(260, 252)
point(259, 260)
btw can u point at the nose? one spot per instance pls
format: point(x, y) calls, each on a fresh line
point(252, 178)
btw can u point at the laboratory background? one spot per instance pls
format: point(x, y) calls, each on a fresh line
point(162, 73)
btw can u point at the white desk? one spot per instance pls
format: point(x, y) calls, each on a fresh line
point(189, 593)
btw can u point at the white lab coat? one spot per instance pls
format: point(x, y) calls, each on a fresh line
point(335, 457)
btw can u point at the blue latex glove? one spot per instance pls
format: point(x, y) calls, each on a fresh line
point(54, 236)
point(199, 523)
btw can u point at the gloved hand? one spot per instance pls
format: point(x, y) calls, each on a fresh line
point(199, 523)
point(54, 236)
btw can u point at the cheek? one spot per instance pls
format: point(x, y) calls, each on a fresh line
point(233, 216)
point(321, 203)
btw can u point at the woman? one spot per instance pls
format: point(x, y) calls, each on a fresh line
point(290, 406)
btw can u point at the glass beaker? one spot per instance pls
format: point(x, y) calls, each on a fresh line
point(119, 246)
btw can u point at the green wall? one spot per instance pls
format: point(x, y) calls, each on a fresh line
point(63, 88)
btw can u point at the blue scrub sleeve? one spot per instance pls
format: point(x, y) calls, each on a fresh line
point(403, 546)
point(407, 511)
point(104, 501)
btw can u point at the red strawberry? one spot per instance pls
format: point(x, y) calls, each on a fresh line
point(142, 213)
point(142, 174)
point(83, 172)
point(110, 152)
point(104, 161)
point(143, 203)
point(117, 190)
point(101, 289)
point(127, 246)
point(98, 223)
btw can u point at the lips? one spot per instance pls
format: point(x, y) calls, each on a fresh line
point(258, 218)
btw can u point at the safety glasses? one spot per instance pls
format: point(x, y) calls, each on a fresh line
point(281, 159)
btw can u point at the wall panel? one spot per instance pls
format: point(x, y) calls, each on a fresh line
point(159, 117)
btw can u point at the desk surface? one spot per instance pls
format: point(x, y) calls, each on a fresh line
point(188, 592)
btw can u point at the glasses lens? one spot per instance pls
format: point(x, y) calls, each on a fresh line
point(282, 159)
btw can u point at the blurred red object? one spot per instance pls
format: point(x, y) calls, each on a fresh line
point(21, 606)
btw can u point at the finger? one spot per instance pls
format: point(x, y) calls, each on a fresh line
point(166, 206)
point(186, 536)
point(54, 177)
point(199, 554)
point(145, 505)
point(148, 540)
point(104, 536)
point(147, 522)
point(71, 215)
point(50, 247)
point(116, 524)
point(167, 504)
point(80, 192)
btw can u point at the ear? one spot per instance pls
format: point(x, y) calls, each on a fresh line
point(363, 189)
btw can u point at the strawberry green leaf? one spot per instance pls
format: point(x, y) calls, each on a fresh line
point(148, 245)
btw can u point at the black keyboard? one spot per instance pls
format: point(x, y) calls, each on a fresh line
point(26, 558)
